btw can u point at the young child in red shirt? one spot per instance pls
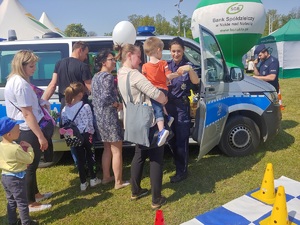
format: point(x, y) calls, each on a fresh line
point(158, 73)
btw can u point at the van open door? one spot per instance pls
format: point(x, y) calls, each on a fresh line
point(211, 113)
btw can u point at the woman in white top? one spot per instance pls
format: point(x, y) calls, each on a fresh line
point(22, 103)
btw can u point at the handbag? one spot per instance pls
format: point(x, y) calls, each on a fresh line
point(47, 125)
point(138, 120)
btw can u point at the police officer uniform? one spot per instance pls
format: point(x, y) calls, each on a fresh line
point(270, 66)
point(178, 106)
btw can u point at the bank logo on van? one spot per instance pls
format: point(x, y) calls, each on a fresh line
point(235, 8)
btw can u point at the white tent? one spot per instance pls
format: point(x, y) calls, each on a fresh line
point(13, 16)
point(47, 22)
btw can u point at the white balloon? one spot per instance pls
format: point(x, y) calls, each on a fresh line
point(124, 33)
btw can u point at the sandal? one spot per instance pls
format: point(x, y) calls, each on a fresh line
point(44, 196)
point(109, 180)
point(124, 184)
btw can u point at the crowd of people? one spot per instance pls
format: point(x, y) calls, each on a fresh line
point(165, 85)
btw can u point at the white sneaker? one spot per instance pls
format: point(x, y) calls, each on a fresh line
point(170, 120)
point(84, 186)
point(39, 207)
point(94, 182)
point(162, 137)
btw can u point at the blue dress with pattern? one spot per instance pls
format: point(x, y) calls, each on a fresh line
point(104, 94)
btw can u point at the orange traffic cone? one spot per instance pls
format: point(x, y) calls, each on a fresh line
point(266, 193)
point(280, 100)
point(279, 215)
point(159, 218)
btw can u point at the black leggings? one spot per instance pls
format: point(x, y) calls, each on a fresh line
point(156, 156)
point(85, 156)
point(31, 182)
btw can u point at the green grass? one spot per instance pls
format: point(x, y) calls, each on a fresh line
point(213, 181)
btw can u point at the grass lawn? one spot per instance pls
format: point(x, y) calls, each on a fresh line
point(213, 181)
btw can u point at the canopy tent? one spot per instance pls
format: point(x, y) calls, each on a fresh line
point(284, 44)
point(47, 22)
point(13, 16)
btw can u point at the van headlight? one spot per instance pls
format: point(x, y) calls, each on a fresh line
point(273, 96)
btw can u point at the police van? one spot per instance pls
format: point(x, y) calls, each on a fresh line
point(233, 111)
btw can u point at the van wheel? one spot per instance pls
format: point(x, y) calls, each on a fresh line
point(56, 157)
point(241, 137)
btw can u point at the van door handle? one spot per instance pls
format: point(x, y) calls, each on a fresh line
point(210, 89)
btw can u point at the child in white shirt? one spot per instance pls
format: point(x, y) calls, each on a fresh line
point(84, 123)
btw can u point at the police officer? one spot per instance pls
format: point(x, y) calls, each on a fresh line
point(178, 106)
point(268, 67)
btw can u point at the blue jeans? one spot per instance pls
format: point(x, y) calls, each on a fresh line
point(74, 155)
point(158, 108)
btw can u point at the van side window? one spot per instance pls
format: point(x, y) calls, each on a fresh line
point(94, 48)
point(5, 65)
point(48, 55)
point(45, 66)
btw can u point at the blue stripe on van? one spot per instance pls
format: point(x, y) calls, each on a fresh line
point(2, 110)
point(54, 106)
point(217, 109)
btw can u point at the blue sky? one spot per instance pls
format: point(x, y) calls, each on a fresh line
point(101, 16)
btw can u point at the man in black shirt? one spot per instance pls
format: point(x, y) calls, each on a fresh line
point(67, 71)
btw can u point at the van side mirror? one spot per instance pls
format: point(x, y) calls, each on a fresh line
point(236, 74)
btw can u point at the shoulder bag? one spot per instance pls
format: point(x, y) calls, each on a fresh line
point(47, 127)
point(138, 119)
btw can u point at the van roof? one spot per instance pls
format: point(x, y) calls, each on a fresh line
point(74, 39)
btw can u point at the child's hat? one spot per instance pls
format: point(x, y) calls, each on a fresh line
point(7, 124)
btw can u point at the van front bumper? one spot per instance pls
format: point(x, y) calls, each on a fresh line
point(271, 121)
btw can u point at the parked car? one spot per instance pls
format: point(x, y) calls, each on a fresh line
point(233, 111)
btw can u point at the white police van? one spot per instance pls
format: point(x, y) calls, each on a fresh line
point(234, 111)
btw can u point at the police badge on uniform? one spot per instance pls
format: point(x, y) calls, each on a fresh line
point(183, 86)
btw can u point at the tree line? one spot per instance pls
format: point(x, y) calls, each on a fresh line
point(163, 27)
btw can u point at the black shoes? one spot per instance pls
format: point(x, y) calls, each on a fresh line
point(155, 205)
point(18, 222)
point(160, 201)
point(32, 222)
point(140, 194)
point(178, 177)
